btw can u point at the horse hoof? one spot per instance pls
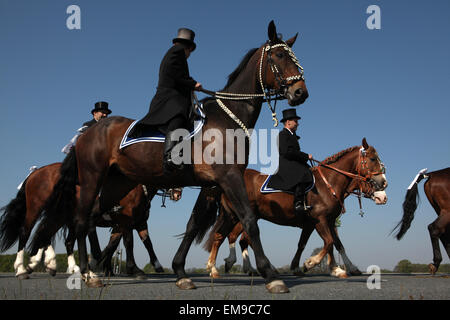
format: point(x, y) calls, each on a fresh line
point(298, 273)
point(23, 276)
point(160, 270)
point(51, 272)
point(214, 275)
point(355, 273)
point(185, 284)
point(94, 283)
point(277, 286)
point(141, 276)
point(432, 269)
point(29, 270)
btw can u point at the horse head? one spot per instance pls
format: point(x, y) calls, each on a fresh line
point(371, 167)
point(286, 76)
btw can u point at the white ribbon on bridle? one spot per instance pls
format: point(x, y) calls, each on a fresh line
point(244, 96)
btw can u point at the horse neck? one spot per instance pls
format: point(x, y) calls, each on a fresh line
point(339, 181)
point(247, 83)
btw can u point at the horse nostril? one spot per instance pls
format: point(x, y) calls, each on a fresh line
point(298, 92)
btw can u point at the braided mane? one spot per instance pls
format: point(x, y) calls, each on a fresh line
point(338, 155)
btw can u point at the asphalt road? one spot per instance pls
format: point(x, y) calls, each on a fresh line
point(230, 288)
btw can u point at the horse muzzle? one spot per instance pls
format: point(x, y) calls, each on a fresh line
point(379, 197)
point(296, 93)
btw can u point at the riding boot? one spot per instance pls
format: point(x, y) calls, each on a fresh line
point(169, 144)
point(300, 199)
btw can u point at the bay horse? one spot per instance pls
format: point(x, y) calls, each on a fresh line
point(272, 69)
point(437, 190)
point(21, 214)
point(357, 168)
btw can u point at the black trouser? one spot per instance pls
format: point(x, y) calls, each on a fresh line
point(175, 123)
point(300, 190)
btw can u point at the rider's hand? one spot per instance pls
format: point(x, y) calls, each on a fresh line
point(310, 156)
point(198, 86)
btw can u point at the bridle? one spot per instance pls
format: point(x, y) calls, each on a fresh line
point(362, 165)
point(267, 94)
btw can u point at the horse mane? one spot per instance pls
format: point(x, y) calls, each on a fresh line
point(232, 77)
point(338, 155)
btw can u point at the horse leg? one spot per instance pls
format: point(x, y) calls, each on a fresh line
point(108, 252)
point(351, 269)
point(34, 260)
point(21, 271)
point(96, 252)
point(324, 232)
point(232, 237)
point(50, 261)
point(70, 243)
point(211, 264)
point(246, 264)
point(84, 206)
point(307, 230)
point(335, 270)
point(131, 267)
point(145, 238)
point(202, 216)
point(233, 186)
point(437, 230)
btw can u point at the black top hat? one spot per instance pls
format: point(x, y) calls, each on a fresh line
point(290, 114)
point(101, 106)
point(186, 36)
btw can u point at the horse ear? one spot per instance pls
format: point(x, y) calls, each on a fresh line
point(290, 42)
point(272, 31)
point(365, 144)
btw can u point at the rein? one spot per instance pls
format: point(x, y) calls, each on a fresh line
point(283, 83)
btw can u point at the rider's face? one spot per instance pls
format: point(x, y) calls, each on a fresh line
point(292, 124)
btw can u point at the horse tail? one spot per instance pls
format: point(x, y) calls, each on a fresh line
point(12, 219)
point(205, 211)
point(59, 207)
point(212, 234)
point(410, 205)
point(208, 204)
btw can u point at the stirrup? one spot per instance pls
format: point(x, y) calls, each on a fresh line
point(300, 206)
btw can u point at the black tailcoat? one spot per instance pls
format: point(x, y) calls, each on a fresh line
point(293, 165)
point(173, 95)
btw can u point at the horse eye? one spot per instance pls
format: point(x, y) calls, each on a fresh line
point(279, 55)
point(373, 159)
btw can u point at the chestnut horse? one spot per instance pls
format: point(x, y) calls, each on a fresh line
point(437, 189)
point(21, 214)
point(357, 168)
point(98, 162)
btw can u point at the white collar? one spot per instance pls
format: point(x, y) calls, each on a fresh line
point(289, 130)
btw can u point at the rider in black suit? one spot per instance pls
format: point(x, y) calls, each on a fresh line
point(169, 109)
point(100, 111)
point(293, 169)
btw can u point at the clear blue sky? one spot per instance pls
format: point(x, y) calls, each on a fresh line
point(389, 85)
